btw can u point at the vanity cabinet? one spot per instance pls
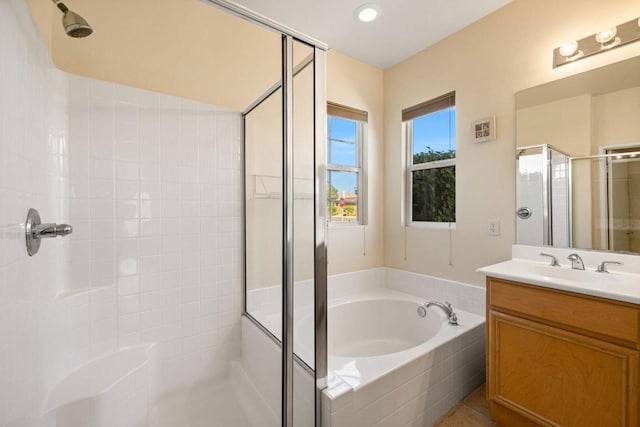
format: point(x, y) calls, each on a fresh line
point(557, 358)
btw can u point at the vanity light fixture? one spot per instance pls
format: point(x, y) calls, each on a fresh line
point(367, 12)
point(602, 41)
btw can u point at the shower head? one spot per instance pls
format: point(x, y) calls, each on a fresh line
point(74, 24)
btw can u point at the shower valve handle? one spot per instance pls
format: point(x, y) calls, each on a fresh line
point(35, 231)
point(52, 230)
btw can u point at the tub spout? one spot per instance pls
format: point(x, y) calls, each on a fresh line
point(448, 310)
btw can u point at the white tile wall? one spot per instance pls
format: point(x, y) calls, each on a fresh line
point(466, 297)
point(33, 173)
point(151, 185)
point(156, 180)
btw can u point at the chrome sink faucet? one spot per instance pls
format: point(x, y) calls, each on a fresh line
point(602, 267)
point(576, 262)
point(448, 310)
point(554, 260)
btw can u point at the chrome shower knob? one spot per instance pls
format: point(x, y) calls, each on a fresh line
point(35, 231)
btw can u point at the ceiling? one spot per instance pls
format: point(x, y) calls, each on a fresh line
point(403, 28)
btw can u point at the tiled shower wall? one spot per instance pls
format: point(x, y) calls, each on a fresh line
point(151, 184)
point(155, 199)
point(33, 173)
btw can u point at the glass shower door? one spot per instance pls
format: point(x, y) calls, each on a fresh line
point(285, 272)
point(542, 196)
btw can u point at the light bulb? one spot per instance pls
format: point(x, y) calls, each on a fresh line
point(568, 49)
point(606, 35)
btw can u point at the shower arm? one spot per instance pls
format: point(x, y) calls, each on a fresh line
point(61, 6)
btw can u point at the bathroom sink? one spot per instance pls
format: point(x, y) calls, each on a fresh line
point(613, 285)
point(547, 272)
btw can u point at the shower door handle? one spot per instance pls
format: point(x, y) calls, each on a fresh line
point(524, 213)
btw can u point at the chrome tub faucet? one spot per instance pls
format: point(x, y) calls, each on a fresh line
point(448, 310)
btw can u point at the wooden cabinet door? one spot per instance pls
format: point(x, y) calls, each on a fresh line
point(559, 378)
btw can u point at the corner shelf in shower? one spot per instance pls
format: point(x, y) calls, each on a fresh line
point(102, 388)
point(270, 187)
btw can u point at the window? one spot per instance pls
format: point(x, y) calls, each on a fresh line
point(345, 177)
point(430, 130)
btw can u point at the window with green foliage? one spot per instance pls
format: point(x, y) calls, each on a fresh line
point(346, 129)
point(430, 130)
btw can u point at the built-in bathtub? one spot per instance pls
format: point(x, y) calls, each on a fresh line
point(387, 364)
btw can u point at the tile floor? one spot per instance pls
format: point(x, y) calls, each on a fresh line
point(472, 412)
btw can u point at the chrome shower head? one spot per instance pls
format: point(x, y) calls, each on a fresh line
point(74, 24)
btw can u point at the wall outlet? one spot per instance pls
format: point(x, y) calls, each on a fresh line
point(493, 227)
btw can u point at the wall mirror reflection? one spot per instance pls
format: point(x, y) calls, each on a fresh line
point(578, 160)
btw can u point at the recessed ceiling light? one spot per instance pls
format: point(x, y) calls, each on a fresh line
point(367, 12)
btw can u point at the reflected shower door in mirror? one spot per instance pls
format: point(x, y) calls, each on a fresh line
point(542, 196)
point(591, 118)
point(608, 187)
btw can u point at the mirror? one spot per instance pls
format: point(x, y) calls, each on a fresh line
point(578, 160)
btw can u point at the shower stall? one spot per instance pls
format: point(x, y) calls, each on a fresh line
point(139, 316)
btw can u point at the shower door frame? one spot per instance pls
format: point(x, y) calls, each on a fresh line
point(320, 256)
point(607, 154)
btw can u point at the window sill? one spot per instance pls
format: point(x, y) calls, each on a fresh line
point(433, 225)
point(344, 224)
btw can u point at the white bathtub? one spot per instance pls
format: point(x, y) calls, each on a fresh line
point(387, 364)
point(373, 332)
point(377, 327)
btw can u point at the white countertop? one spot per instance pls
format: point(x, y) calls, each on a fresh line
point(616, 285)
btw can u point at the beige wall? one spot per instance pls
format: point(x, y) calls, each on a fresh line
point(358, 85)
point(564, 124)
point(485, 63)
point(185, 48)
point(616, 118)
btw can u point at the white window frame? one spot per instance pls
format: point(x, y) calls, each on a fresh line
point(411, 167)
point(359, 169)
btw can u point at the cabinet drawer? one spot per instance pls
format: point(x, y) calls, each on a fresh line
point(617, 321)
